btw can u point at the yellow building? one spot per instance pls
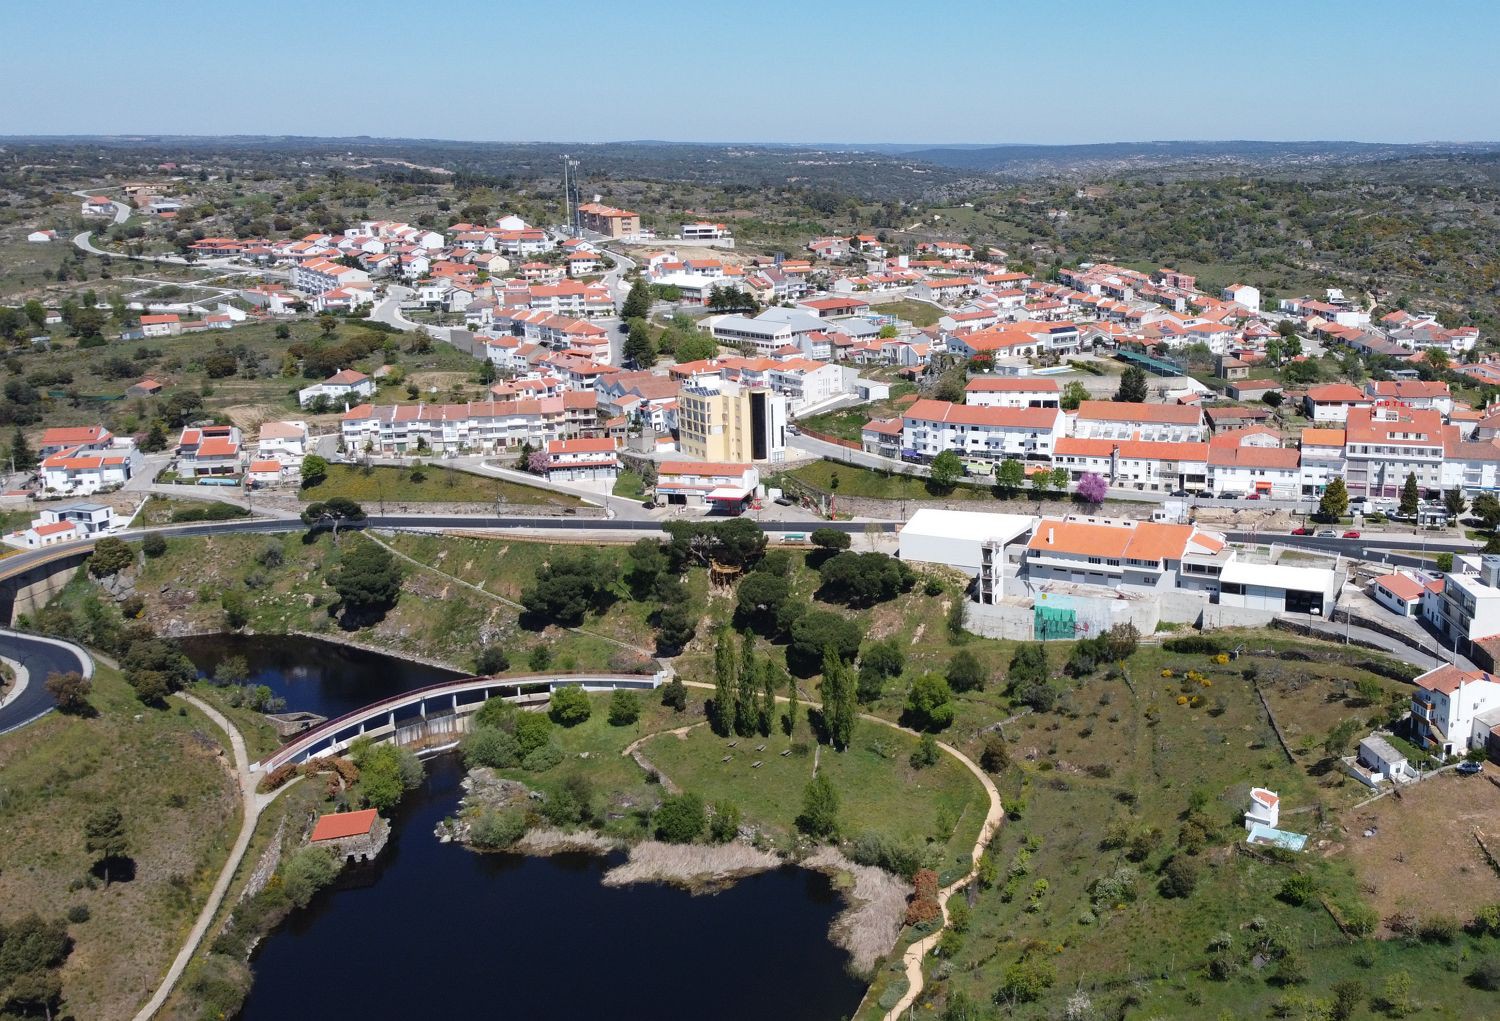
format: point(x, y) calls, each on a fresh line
point(731, 423)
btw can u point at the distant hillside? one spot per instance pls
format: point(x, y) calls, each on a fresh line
point(1109, 157)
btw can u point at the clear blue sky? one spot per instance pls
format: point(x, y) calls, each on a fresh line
point(812, 70)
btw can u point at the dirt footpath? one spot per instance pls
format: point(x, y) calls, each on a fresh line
point(1423, 859)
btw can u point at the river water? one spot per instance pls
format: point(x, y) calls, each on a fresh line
point(433, 930)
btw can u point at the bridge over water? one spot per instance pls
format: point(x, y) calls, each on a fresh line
point(439, 713)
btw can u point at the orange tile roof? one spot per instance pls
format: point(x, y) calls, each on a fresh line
point(338, 825)
point(1400, 586)
point(1322, 437)
point(968, 414)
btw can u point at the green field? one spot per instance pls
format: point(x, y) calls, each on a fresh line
point(918, 313)
point(433, 483)
point(876, 485)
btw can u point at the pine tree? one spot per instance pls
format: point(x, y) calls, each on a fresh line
point(638, 347)
point(21, 454)
point(745, 712)
point(1411, 497)
point(1335, 501)
point(156, 438)
point(637, 302)
point(722, 717)
point(1132, 386)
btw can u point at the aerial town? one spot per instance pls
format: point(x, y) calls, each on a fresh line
point(968, 582)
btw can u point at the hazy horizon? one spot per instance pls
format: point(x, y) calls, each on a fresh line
point(463, 70)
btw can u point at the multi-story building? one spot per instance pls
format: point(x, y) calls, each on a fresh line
point(698, 483)
point(583, 459)
point(1101, 551)
point(1385, 444)
point(1151, 467)
point(318, 275)
point(725, 421)
point(1455, 710)
point(1012, 392)
point(1465, 606)
point(1321, 458)
point(481, 426)
point(704, 231)
point(78, 472)
point(930, 427)
point(609, 221)
point(1332, 402)
point(1154, 423)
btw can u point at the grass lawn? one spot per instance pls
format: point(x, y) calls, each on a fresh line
point(629, 485)
point(847, 423)
point(867, 482)
point(162, 769)
point(159, 510)
point(918, 313)
point(429, 484)
point(878, 789)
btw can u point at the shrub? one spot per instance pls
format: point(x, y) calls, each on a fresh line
point(1486, 974)
point(570, 705)
point(306, 872)
point(680, 819)
point(995, 757)
point(925, 753)
point(1178, 877)
point(624, 708)
point(725, 824)
point(1027, 979)
point(488, 746)
point(491, 660)
point(78, 914)
point(1438, 929)
point(674, 694)
point(493, 829)
point(542, 759)
point(885, 853)
point(153, 545)
point(1297, 890)
point(1199, 644)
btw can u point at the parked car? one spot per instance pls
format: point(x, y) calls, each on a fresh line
point(1326, 533)
point(783, 501)
point(1252, 496)
point(1302, 531)
point(1468, 768)
point(1351, 534)
point(1227, 496)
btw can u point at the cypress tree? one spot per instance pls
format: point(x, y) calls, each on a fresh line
point(745, 712)
point(722, 717)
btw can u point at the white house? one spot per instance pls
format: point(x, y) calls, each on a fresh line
point(345, 386)
point(87, 437)
point(1454, 710)
point(698, 483)
point(41, 236)
point(64, 524)
point(209, 450)
point(1242, 294)
point(284, 441)
point(81, 472)
point(97, 205)
point(1400, 593)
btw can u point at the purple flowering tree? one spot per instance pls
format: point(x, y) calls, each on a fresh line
point(1092, 488)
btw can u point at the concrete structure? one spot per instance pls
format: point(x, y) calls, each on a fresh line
point(1264, 810)
point(1277, 588)
point(957, 538)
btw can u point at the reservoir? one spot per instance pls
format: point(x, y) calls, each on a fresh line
point(436, 930)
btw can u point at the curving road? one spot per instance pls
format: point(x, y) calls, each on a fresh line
point(38, 657)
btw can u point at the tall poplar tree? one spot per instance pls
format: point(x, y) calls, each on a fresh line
point(725, 688)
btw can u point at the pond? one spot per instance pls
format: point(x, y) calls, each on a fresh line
point(434, 929)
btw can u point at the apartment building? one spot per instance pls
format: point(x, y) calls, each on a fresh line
point(582, 460)
point(1110, 553)
point(725, 421)
point(1455, 710)
point(1385, 444)
point(1154, 423)
point(1150, 467)
point(1012, 392)
point(703, 231)
point(930, 427)
point(318, 275)
point(1332, 402)
point(609, 221)
point(479, 426)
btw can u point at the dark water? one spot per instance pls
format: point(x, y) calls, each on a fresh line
point(314, 676)
point(433, 930)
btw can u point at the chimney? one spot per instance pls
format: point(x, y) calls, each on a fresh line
point(1049, 535)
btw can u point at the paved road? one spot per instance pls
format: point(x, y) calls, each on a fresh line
point(39, 657)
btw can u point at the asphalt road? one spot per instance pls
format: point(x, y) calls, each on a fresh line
point(40, 658)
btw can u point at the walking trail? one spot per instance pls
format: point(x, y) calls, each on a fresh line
point(252, 804)
point(915, 954)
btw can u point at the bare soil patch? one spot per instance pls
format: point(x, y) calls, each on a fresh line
point(1423, 859)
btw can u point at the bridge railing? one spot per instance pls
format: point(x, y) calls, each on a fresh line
point(305, 743)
